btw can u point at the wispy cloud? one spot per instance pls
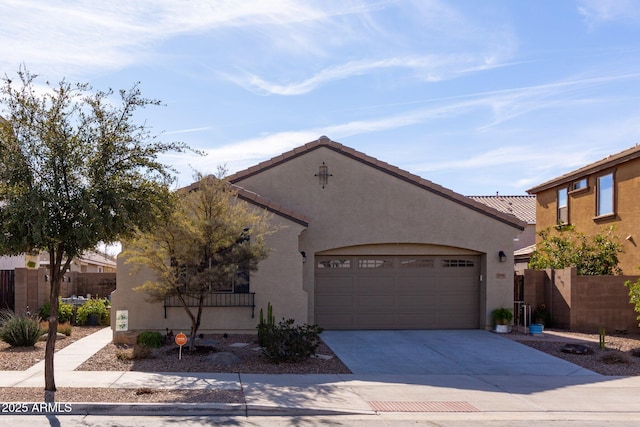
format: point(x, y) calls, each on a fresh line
point(427, 67)
point(89, 36)
point(505, 105)
point(596, 12)
point(183, 131)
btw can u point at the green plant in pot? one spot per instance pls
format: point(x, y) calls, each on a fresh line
point(502, 318)
point(541, 315)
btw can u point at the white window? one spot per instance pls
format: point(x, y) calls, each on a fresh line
point(604, 203)
point(563, 207)
point(335, 263)
point(579, 185)
point(374, 263)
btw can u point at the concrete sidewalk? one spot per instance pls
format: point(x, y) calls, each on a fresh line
point(473, 396)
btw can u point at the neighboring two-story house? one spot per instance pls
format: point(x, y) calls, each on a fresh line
point(523, 208)
point(596, 196)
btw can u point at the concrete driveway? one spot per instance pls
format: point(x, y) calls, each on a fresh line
point(442, 352)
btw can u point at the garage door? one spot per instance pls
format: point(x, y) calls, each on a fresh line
point(397, 292)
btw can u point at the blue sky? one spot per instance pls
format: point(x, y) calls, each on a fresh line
point(478, 96)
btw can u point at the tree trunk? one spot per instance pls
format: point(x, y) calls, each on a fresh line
point(56, 273)
point(49, 379)
point(194, 327)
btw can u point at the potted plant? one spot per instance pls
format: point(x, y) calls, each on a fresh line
point(540, 318)
point(502, 318)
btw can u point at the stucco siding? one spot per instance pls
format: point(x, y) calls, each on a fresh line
point(582, 210)
point(361, 205)
point(278, 281)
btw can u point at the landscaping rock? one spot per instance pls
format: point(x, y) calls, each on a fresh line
point(576, 349)
point(223, 359)
point(59, 336)
point(129, 337)
point(200, 342)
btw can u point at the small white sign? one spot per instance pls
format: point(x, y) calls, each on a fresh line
point(122, 320)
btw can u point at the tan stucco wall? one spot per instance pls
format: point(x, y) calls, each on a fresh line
point(362, 206)
point(277, 281)
point(582, 208)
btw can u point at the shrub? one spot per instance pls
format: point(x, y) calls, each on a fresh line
point(502, 316)
point(150, 339)
point(19, 331)
point(265, 325)
point(63, 328)
point(136, 353)
point(287, 342)
point(65, 312)
point(95, 308)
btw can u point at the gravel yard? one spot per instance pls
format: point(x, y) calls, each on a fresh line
point(245, 347)
point(22, 358)
point(617, 359)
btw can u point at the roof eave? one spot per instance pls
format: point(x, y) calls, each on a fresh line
point(593, 168)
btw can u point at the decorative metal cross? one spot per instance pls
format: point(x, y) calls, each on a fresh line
point(323, 175)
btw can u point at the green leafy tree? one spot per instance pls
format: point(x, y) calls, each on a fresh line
point(634, 295)
point(210, 240)
point(75, 170)
point(565, 247)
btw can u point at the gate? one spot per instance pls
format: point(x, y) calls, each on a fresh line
point(7, 289)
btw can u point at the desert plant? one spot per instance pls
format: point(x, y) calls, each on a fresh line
point(95, 308)
point(502, 316)
point(137, 352)
point(65, 312)
point(287, 342)
point(18, 330)
point(541, 315)
point(150, 339)
point(265, 325)
point(63, 328)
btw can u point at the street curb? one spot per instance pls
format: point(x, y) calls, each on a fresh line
point(183, 409)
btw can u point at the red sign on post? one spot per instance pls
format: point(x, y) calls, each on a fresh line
point(181, 339)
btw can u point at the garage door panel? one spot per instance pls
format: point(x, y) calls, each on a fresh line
point(334, 303)
point(415, 285)
point(457, 320)
point(428, 302)
point(338, 321)
point(367, 285)
point(373, 320)
point(373, 303)
point(445, 295)
point(335, 285)
point(410, 320)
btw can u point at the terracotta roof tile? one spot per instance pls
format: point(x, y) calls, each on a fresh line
point(262, 202)
point(522, 207)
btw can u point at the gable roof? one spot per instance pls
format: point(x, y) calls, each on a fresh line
point(522, 207)
point(259, 201)
point(600, 165)
point(324, 142)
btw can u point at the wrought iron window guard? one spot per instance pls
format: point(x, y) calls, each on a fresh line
point(214, 299)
